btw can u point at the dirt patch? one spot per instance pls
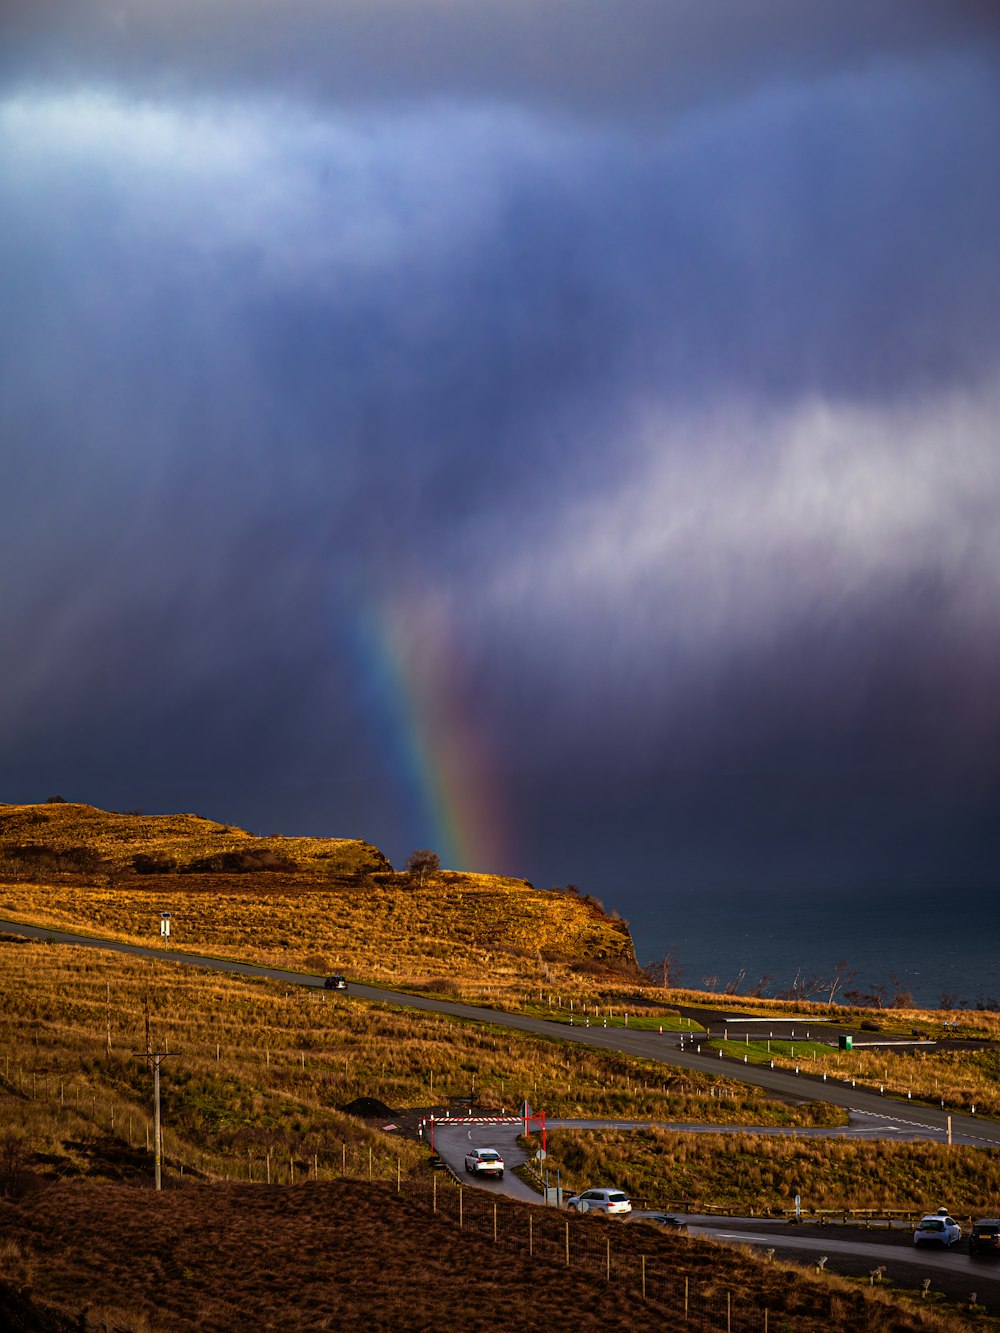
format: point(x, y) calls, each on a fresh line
point(368, 1108)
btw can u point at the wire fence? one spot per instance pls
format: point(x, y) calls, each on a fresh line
point(601, 1250)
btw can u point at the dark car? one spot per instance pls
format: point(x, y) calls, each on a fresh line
point(984, 1238)
point(336, 982)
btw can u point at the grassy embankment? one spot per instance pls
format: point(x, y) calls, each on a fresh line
point(755, 1172)
point(258, 1068)
point(308, 903)
point(965, 1080)
point(337, 1255)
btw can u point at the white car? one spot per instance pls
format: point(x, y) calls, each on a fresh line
point(937, 1229)
point(611, 1201)
point(484, 1162)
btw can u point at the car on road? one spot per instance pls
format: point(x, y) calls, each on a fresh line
point(937, 1229)
point(336, 982)
point(984, 1238)
point(484, 1162)
point(614, 1202)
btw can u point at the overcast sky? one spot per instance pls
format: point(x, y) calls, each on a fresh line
point(566, 435)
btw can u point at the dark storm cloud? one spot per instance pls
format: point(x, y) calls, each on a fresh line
point(582, 54)
point(686, 430)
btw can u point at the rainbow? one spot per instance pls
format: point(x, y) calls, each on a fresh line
point(438, 746)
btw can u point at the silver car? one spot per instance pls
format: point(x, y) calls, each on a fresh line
point(484, 1162)
point(614, 1202)
point(937, 1229)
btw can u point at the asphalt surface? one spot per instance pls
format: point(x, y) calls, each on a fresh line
point(666, 1048)
point(858, 1253)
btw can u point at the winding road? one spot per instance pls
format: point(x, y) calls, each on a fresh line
point(667, 1048)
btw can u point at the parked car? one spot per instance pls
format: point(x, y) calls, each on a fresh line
point(984, 1238)
point(611, 1201)
point(937, 1229)
point(484, 1162)
point(336, 982)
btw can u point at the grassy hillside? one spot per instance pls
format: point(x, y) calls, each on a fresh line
point(342, 1255)
point(311, 903)
point(351, 1226)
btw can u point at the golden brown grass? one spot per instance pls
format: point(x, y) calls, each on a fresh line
point(257, 1070)
point(763, 1173)
point(338, 1255)
point(964, 1080)
point(330, 904)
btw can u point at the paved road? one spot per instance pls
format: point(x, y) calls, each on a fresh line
point(647, 1045)
point(453, 1140)
point(851, 1251)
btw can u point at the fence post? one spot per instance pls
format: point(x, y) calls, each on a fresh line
point(343, 1159)
point(435, 1184)
point(729, 1312)
point(531, 1236)
point(686, 1302)
point(607, 1261)
point(398, 1170)
point(369, 1161)
point(494, 1224)
point(643, 1277)
point(567, 1245)
point(461, 1217)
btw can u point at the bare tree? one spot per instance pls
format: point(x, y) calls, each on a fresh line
point(665, 971)
point(422, 863)
point(733, 987)
point(841, 976)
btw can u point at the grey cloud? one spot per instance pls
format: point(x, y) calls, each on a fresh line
point(262, 365)
point(584, 55)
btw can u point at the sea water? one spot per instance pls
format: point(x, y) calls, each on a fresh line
point(948, 945)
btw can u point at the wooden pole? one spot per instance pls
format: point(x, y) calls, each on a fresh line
point(157, 1139)
point(643, 1277)
point(567, 1245)
point(531, 1236)
point(494, 1224)
point(460, 1214)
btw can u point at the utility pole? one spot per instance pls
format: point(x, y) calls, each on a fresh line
point(153, 1059)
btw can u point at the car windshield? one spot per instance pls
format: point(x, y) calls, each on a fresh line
point(488, 1155)
point(932, 1224)
point(618, 1198)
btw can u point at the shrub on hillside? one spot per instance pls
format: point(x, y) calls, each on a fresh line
point(36, 856)
point(240, 863)
point(153, 863)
